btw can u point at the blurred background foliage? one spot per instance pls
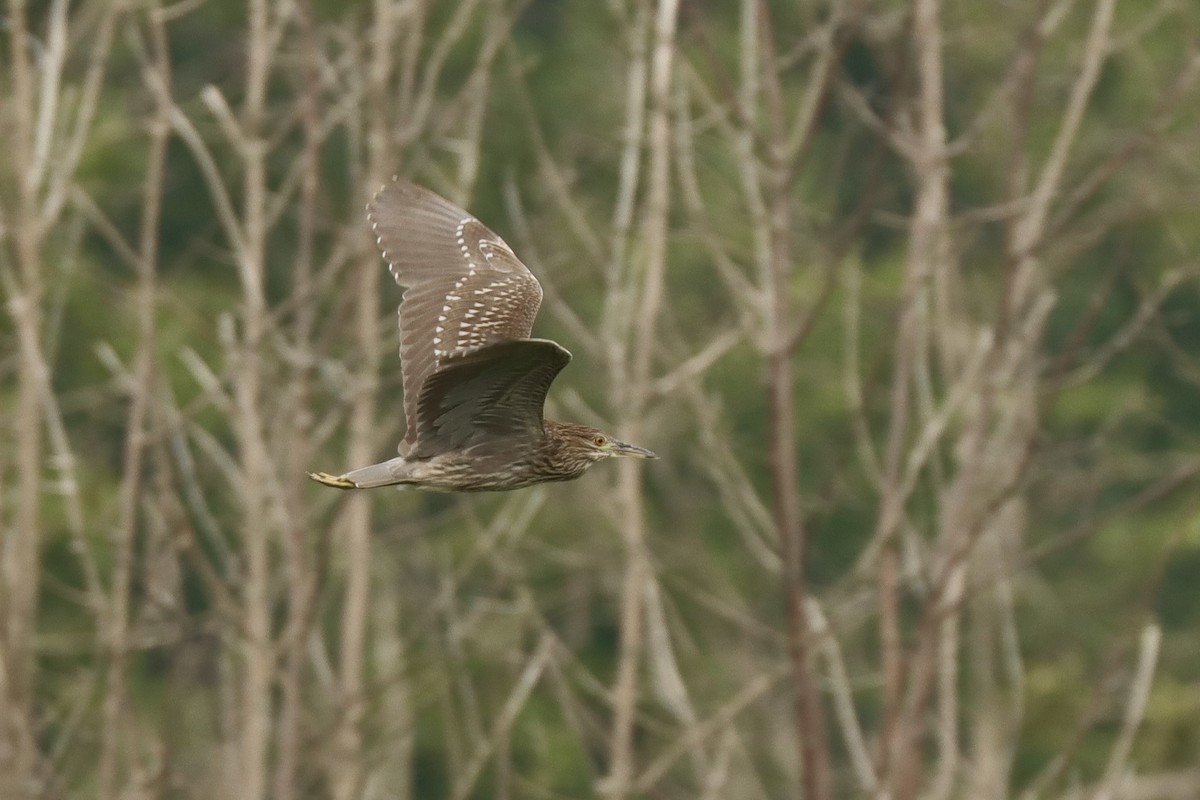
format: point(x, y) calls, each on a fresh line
point(463, 589)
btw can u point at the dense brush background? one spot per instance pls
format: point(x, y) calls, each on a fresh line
point(906, 296)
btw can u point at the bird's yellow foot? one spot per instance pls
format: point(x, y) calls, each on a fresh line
point(332, 480)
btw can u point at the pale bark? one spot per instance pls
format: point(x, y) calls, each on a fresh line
point(634, 377)
point(21, 550)
point(114, 743)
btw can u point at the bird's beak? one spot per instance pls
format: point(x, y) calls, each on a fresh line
point(630, 451)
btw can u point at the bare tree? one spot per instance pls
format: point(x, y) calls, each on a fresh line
point(826, 257)
point(47, 130)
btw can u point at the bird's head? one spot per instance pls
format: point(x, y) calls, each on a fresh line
point(591, 444)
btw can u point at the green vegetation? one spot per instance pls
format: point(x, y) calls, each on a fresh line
point(906, 297)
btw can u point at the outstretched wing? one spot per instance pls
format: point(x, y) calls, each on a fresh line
point(466, 287)
point(491, 393)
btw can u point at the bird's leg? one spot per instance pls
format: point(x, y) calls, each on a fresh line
point(335, 481)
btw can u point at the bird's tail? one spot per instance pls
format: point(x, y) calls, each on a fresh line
point(388, 473)
point(385, 474)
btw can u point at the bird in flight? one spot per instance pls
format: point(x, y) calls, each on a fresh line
point(474, 381)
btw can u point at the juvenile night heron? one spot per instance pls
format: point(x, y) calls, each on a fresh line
point(474, 382)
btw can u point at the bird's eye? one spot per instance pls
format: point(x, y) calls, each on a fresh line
point(599, 441)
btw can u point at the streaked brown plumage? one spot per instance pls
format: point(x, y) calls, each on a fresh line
point(474, 382)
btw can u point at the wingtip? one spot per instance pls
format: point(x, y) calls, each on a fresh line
point(396, 180)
